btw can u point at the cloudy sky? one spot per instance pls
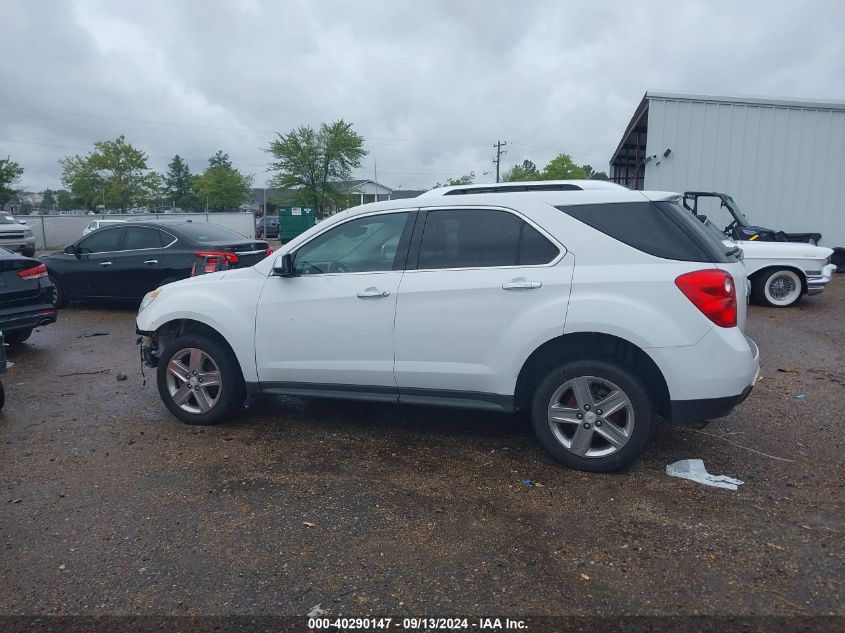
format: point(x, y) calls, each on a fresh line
point(430, 85)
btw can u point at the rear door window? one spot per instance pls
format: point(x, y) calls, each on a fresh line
point(481, 238)
point(141, 238)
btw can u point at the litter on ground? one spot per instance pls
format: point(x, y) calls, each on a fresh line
point(694, 470)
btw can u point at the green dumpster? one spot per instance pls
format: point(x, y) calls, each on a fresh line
point(295, 220)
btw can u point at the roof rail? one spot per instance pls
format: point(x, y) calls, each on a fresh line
point(533, 185)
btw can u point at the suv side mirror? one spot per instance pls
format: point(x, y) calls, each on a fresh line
point(283, 266)
point(71, 249)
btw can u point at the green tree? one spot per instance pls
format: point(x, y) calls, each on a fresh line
point(518, 173)
point(10, 173)
point(311, 161)
point(220, 159)
point(562, 167)
point(84, 183)
point(114, 169)
point(65, 200)
point(466, 179)
point(178, 184)
point(222, 186)
point(48, 200)
point(590, 173)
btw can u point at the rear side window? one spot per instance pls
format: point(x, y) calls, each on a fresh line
point(139, 237)
point(662, 229)
point(479, 238)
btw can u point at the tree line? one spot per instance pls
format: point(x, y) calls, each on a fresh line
point(311, 164)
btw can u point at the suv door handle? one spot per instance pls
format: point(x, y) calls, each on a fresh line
point(151, 261)
point(377, 293)
point(105, 263)
point(521, 284)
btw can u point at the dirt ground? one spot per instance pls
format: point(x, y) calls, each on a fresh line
point(108, 505)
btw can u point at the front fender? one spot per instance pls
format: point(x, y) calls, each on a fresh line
point(227, 304)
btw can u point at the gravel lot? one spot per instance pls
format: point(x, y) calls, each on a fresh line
point(111, 506)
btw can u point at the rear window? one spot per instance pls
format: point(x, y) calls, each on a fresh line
point(662, 229)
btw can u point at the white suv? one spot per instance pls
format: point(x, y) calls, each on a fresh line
point(596, 308)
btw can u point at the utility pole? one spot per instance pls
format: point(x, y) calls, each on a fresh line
point(498, 160)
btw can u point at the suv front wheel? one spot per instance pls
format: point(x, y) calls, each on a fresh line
point(199, 380)
point(594, 416)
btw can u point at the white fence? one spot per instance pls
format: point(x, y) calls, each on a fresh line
point(57, 231)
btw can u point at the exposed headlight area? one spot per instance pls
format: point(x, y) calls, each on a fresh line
point(148, 299)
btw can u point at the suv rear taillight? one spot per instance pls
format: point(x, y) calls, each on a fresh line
point(713, 292)
point(36, 272)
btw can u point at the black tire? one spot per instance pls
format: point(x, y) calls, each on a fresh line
point(59, 297)
point(16, 337)
point(229, 398)
point(639, 407)
point(28, 252)
point(762, 295)
point(838, 259)
point(2, 395)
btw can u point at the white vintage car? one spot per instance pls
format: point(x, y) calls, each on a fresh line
point(780, 273)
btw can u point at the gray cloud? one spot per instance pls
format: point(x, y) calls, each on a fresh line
point(430, 85)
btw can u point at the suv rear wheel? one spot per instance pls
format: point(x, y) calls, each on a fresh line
point(199, 380)
point(592, 415)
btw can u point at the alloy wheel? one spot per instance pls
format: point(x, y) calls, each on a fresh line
point(193, 380)
point(591, 416)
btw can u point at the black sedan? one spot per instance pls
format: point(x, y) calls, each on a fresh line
point(127, 261)
point(26, 296)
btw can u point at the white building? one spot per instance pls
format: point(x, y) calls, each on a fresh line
point(783, 161)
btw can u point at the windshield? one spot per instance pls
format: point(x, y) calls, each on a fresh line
point(7, 219)
point(739, 215)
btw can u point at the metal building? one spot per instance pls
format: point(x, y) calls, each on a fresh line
point(783, 161)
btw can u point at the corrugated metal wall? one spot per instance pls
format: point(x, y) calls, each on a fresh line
point(784, 166)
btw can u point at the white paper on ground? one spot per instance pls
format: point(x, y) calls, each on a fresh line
point(693, 469)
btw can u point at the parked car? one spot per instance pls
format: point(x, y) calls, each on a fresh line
point(93, 225)
point(26, 296)
point(739, 229)
point(127, 260)
point(597, 311)
point(267, 227)
point(780, 273)
point(16, 236)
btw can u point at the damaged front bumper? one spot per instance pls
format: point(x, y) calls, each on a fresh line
point(148, 348)
point(816, 283)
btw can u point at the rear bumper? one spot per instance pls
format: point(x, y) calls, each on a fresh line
point(27, 319)
point(708, 380)
point(682, 411)
point(816, 283)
